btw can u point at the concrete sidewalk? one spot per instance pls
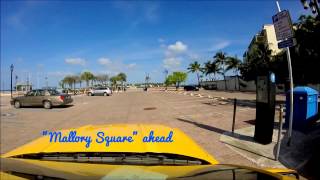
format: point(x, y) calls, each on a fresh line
point(294, 157)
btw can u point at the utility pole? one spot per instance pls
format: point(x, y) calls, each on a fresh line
point(166, 73)
point(38, 81)
point(46, 78)
point(28, 78)
point(11, 70)
point(16, 82)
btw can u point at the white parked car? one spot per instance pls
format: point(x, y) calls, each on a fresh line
point(105, 91)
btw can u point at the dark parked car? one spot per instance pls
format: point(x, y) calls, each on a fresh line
point(40, 97)
point(210, 87)
point(191, 88)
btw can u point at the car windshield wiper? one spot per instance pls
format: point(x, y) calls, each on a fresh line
point(118, 158)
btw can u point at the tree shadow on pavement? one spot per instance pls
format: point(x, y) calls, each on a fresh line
point(218, 130)
point(240, 102)
point(234, 135)
point(244, 149)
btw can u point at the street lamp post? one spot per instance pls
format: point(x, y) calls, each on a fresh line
point(46, 78)
point(11, 69)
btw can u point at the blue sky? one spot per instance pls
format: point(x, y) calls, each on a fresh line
point(56, 38)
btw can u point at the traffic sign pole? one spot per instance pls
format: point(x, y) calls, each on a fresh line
point(291, 89)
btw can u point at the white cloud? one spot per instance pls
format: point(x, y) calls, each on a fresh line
point(171, 63)
point(177, 48)
point(132, 65)
point(75, 61)
point(220, 45)
point(115, 66)
point(174, 55)
point(104, 61)
point(58, 73)
point(193, 56)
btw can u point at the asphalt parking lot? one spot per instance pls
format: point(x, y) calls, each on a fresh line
point(199, 117)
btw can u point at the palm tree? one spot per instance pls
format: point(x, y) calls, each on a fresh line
point(147, 79)
point(166, 71)
point(94, 80)
point(258, 61)
point(87, 76)
point(234, 63)
point(195, 67)
point(123, 78)
point(61, 84)
point(114, 80)
point(221, 60)
point(74, 79)
point(79, 80)
point(102, 79)
point(68, 80)
point(211, 68)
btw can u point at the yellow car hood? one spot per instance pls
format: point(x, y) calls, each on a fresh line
point(15, 168)
point(181, 144)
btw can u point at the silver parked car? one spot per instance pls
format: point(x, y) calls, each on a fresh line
point(105, 91)
point(40, 97)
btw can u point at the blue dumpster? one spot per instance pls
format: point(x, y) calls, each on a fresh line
point(305, 107)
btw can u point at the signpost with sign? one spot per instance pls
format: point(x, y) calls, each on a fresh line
point(287, 43)
point(283, 25)
point(284, 32)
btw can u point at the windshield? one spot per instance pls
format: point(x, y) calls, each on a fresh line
point(161, 83)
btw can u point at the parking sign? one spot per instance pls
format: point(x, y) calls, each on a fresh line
point(282, 25)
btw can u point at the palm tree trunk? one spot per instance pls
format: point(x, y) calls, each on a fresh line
point(225, 82)
point(74, 87)
point(238, 79)
point(238, 82)
point(235, 81)
point(198, 80)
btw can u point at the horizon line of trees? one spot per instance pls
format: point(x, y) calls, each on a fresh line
point(94, 80)
point(220, 64)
